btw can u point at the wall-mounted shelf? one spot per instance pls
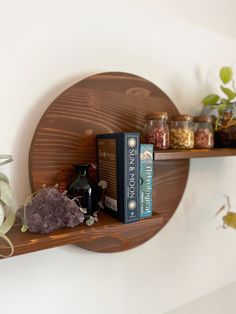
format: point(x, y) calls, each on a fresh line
point(108, 234)
point(194, 153)
point(103, 103)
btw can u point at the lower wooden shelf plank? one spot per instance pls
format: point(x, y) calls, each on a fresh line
point(108, 235)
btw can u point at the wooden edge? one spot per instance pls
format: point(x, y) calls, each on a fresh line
point(194, 153)
point(107, 227)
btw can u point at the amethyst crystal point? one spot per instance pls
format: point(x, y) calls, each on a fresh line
point(50, 210)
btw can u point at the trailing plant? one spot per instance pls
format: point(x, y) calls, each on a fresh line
point(222, 104)
point(218, 102)
point(7, 215)
point(229, 219)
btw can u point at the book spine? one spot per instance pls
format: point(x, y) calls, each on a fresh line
point(146, 174)
point(131, 177)
point(107, 171)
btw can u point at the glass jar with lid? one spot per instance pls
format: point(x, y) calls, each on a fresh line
point(181, 132)
point(157, 130)
point(203, 132)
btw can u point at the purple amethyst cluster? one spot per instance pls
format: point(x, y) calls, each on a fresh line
point(49, 210)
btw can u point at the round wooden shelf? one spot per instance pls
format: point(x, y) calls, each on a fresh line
point(104, 103)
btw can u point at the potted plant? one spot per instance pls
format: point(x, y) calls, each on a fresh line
point(224, 107)
point(7, 215)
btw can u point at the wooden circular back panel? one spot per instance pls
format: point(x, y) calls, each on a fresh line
point(103, 103)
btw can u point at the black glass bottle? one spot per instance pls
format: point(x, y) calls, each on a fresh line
point(84, 188)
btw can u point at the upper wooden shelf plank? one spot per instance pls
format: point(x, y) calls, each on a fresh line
point(108, 232)
point(194, 153)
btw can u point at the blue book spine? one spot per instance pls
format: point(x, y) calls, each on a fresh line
point(146, 174)
point(131, 175)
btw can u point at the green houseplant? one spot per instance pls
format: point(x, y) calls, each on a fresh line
point(7, 215)
point(224, 122)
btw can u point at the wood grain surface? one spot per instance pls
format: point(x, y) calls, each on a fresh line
point(108, 232)
point(105, 103)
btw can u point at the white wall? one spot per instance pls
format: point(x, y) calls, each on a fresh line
point(217, 302)
point(216, 15)
point(48, 45)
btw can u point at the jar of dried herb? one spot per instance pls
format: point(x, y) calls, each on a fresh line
point(157, 130)
point(181, 132)
point(203, 132)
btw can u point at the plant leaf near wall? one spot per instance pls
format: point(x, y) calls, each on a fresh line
point(229, 219)
point(226, 74)
point(211, 99)
point(214, 100)
point(228, 92)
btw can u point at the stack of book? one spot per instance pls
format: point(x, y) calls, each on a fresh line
point(127, 168)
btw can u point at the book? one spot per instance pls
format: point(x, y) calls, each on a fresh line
point(118, 165)
point(146, 174)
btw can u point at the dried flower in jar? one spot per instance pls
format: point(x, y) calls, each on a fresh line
point(181, 138)
point(181, 132)
point(203, 132)
point(157, 130)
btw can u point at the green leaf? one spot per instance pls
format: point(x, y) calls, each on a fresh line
point(24, 228)
point(3, 177)
point(211, 99)
point(8, 222)
point(226, 74)
point(7, 159)
point(228, 92)
point(230, 219)
point(6, 194)
point(224, 101)
point(5, 238)
point(2, 214)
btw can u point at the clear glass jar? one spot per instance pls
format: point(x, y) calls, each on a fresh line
point(181, 132)
point(203, 132)
point(157, 130)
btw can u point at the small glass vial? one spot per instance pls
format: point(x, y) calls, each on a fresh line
point(157, 130)
point(181, 132)
point(203, 132)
